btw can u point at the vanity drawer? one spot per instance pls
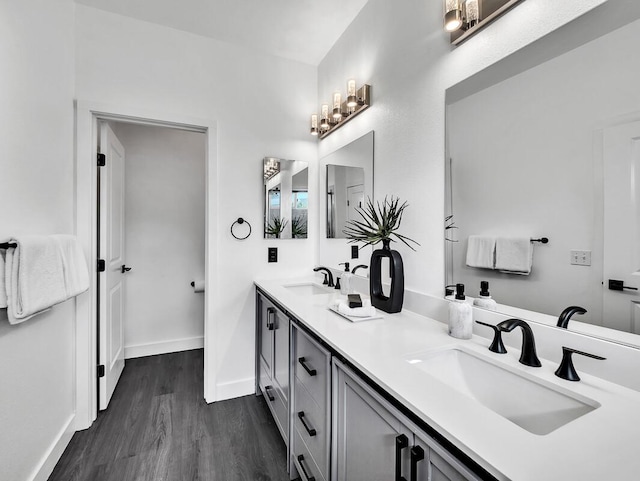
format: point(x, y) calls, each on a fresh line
point(312, 425)
point(278, 408)
point(303, 460)
point(312, 367)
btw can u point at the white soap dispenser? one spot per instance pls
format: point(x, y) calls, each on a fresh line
point(345, 279)
point(460, 315)
point(485, 301)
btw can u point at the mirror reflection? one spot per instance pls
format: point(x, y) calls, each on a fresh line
point(346, 180)
point(553, 152)
point(286, 194)
point(345, 193)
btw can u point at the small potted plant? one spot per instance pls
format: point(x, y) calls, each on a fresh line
point(380, 223)
point(298, 227)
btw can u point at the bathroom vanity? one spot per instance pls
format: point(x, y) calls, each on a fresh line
point(397, 398)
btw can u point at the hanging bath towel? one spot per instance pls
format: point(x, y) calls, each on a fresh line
point(514, 255)
point(481, 251)
point(40, 272)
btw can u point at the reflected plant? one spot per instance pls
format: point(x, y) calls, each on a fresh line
point(298, 227)
point(449, 224)
point(379, 222)
point(275, 226)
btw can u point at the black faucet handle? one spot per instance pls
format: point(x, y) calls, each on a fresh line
point(566, 369)
point(496, 345)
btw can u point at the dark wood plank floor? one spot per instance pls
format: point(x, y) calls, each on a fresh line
point(158, 428)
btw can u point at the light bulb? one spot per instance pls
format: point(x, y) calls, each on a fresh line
point(337, 105)
point(352, 100)
point(314, 124)
point(324, 116)
point(452, 15)
point(472, 13)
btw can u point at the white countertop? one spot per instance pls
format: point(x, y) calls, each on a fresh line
point(600, 445)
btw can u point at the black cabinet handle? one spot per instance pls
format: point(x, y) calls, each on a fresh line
point(417, 455)
point(266, 390)
point(303, 363)
point(304, 470)
point(401, 442)
point(311, 431)
point(270, 315)
point(124, 269)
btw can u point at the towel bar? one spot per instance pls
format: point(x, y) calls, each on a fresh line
point(542, 240)
point(8, 245)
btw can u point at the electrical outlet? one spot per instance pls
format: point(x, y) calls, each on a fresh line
point(580, 258)
point(273, 254)
point(354, 252)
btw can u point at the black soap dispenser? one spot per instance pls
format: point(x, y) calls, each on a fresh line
point(485, 301)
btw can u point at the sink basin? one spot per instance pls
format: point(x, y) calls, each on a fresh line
point(533, 405)
point(309, 289)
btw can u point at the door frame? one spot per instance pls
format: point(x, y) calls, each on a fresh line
point(86, 142)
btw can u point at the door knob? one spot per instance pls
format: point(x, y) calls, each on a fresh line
point(124, 269)
point(617, 285)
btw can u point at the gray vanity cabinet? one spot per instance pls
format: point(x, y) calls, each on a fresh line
point(311, 368)
point(272, 332)
point(373, 441)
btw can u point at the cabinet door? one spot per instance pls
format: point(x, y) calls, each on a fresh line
point(266, 323)
point(281, 355)
point(438, 464)
point(369, 442)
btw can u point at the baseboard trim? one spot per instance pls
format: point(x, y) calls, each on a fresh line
point(49, 461)
point(164, 347)
point(232, 390)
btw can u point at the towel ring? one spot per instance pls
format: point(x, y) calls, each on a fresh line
point(240, 221)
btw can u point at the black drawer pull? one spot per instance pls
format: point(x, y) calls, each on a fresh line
point(270, 318)
point(417, 455)
point(311, 431)
point(266, 390)
point(303, 363)
point(304, 470)
point(401, 442)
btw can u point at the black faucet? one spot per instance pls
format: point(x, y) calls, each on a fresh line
point(328, 273)
point(566, 369)
point(359, 266)
point(528, 356)
point(563, 320)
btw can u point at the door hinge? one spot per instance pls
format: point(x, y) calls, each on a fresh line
point(101, 370)
point(102, 160)
point(101, 265)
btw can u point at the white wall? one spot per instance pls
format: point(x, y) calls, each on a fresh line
point(261, 104)
point(401, 49)
point(164, 238)
point(37, 368)
point(530, 165)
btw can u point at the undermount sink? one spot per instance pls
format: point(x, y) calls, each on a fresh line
point(532, 405)
point(309, 289)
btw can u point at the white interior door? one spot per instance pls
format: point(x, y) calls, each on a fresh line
point(111, 332)
point(621, 305)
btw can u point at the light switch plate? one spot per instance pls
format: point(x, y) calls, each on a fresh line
point(580, 258)
point(273, 254)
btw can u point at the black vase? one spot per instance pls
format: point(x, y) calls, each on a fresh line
point(393, 303)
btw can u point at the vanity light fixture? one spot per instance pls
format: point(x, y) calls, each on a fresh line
point(356, 101)
point(463, 18)
point(271, 167)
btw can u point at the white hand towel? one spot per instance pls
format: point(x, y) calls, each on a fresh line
point(76, 275)
point(367, 310)
point(3, 287)
point(514, 255)
point(481, 251)
point(34, 277)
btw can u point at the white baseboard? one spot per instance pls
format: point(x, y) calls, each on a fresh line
point(235, 389)
point(164, 347)
point(50, 459)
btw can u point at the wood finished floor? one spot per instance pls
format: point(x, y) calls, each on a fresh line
point(158, 428)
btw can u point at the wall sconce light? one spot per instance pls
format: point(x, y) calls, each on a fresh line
point(463, 18)
point(271, 168)
point(452, 15)
point(356, 101)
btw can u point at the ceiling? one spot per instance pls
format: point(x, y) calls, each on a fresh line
point(302, 30)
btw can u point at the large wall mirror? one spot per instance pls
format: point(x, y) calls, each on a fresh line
point(286, 198)
point(346, 179)
point(549, 147)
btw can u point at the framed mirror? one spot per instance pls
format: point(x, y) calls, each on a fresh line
point(544, 144)
point(286, 198)
point(346, 180)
